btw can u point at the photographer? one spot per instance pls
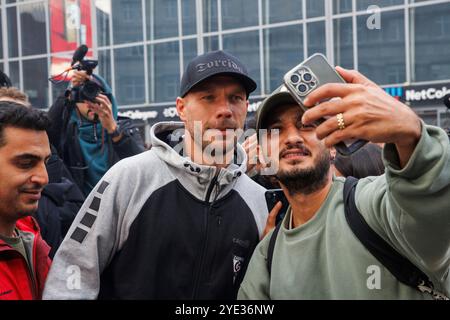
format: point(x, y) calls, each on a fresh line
point(88, 135)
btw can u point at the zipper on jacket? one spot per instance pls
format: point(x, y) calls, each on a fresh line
point(32, 270)
point(205, 243)
point(34, 290)
point(215, 242)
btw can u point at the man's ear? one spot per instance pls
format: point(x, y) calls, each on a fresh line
point(181, 108)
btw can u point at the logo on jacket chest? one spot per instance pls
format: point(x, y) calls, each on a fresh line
point(240, 248)
point(237, 266)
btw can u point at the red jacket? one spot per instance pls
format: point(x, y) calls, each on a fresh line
point(17, 281)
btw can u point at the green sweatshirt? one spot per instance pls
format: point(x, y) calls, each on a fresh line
point(322, 259)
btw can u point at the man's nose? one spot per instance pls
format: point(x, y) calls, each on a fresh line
point(293, 136)
point(223, 108)
point(40, 175)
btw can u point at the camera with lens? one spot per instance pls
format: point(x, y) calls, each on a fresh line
point(308, 76)
point(303, 80)
point(86, 92)
point(90, 89)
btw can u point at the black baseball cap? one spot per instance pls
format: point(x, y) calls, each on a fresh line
point(211, 64)
point(277, 98)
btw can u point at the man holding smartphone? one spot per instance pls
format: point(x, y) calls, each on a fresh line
point(315, 254)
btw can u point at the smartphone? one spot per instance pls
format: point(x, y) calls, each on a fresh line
point(272, 198)
point(307, 77)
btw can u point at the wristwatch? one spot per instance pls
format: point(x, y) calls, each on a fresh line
point(117, 132)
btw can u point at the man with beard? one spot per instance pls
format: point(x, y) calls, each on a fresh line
point(179, 221)
point(316, 255)
point(24, 150)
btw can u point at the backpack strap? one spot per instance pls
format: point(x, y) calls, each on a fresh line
point(402, 269)
point(273, 239)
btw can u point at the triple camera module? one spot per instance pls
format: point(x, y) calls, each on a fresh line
point(304, 81)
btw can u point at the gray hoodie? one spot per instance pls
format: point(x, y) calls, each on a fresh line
point(159, 226)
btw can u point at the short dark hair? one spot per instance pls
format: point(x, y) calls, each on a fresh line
point(16, 115)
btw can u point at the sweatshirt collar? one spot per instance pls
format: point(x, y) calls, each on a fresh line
point(171, 155)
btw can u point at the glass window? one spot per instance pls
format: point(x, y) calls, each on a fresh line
point(281, 10)
point(103, 14)
point(364, 4)
point(315, 8)
point(430, 42)
point(445, 121)
point(127, 21)
point(36, 90)
point(316, 38)
point(189, 17)
point(429, 116)
point(65, 19)
point(343, 42)
point(239, 13)
point(210, 20)
point(211, 43)
point(104, 65)
point(342, 6)
point(58, 89)
point(381, 52)
point(1, 37)
point(283, 50)
point(58, 63)
point(164, 71)
point(245, 46)
point(32, 21)
point(162, 19)
point(189, 51)
point(129, 75)
point(12, 32)
point(14, 74)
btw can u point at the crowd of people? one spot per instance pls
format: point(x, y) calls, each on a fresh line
point(86, 212)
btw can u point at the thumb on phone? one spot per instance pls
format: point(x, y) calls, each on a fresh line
point(271, 219)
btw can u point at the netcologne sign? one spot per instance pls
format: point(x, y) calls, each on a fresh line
point(419, 96)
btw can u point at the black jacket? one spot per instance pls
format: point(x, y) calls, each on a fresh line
point(61, 199)
point(63, 135)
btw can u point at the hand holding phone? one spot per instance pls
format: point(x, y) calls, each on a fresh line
point(309, 75)
point(272, 198)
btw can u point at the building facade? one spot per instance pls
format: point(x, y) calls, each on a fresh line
point(143, 45)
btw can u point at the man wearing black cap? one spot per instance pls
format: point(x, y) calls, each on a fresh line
point(313, 253)
point(181, 220)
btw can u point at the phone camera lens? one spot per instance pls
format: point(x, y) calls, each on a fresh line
point(307, 76)
point(302, 88)
point(295, 78)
